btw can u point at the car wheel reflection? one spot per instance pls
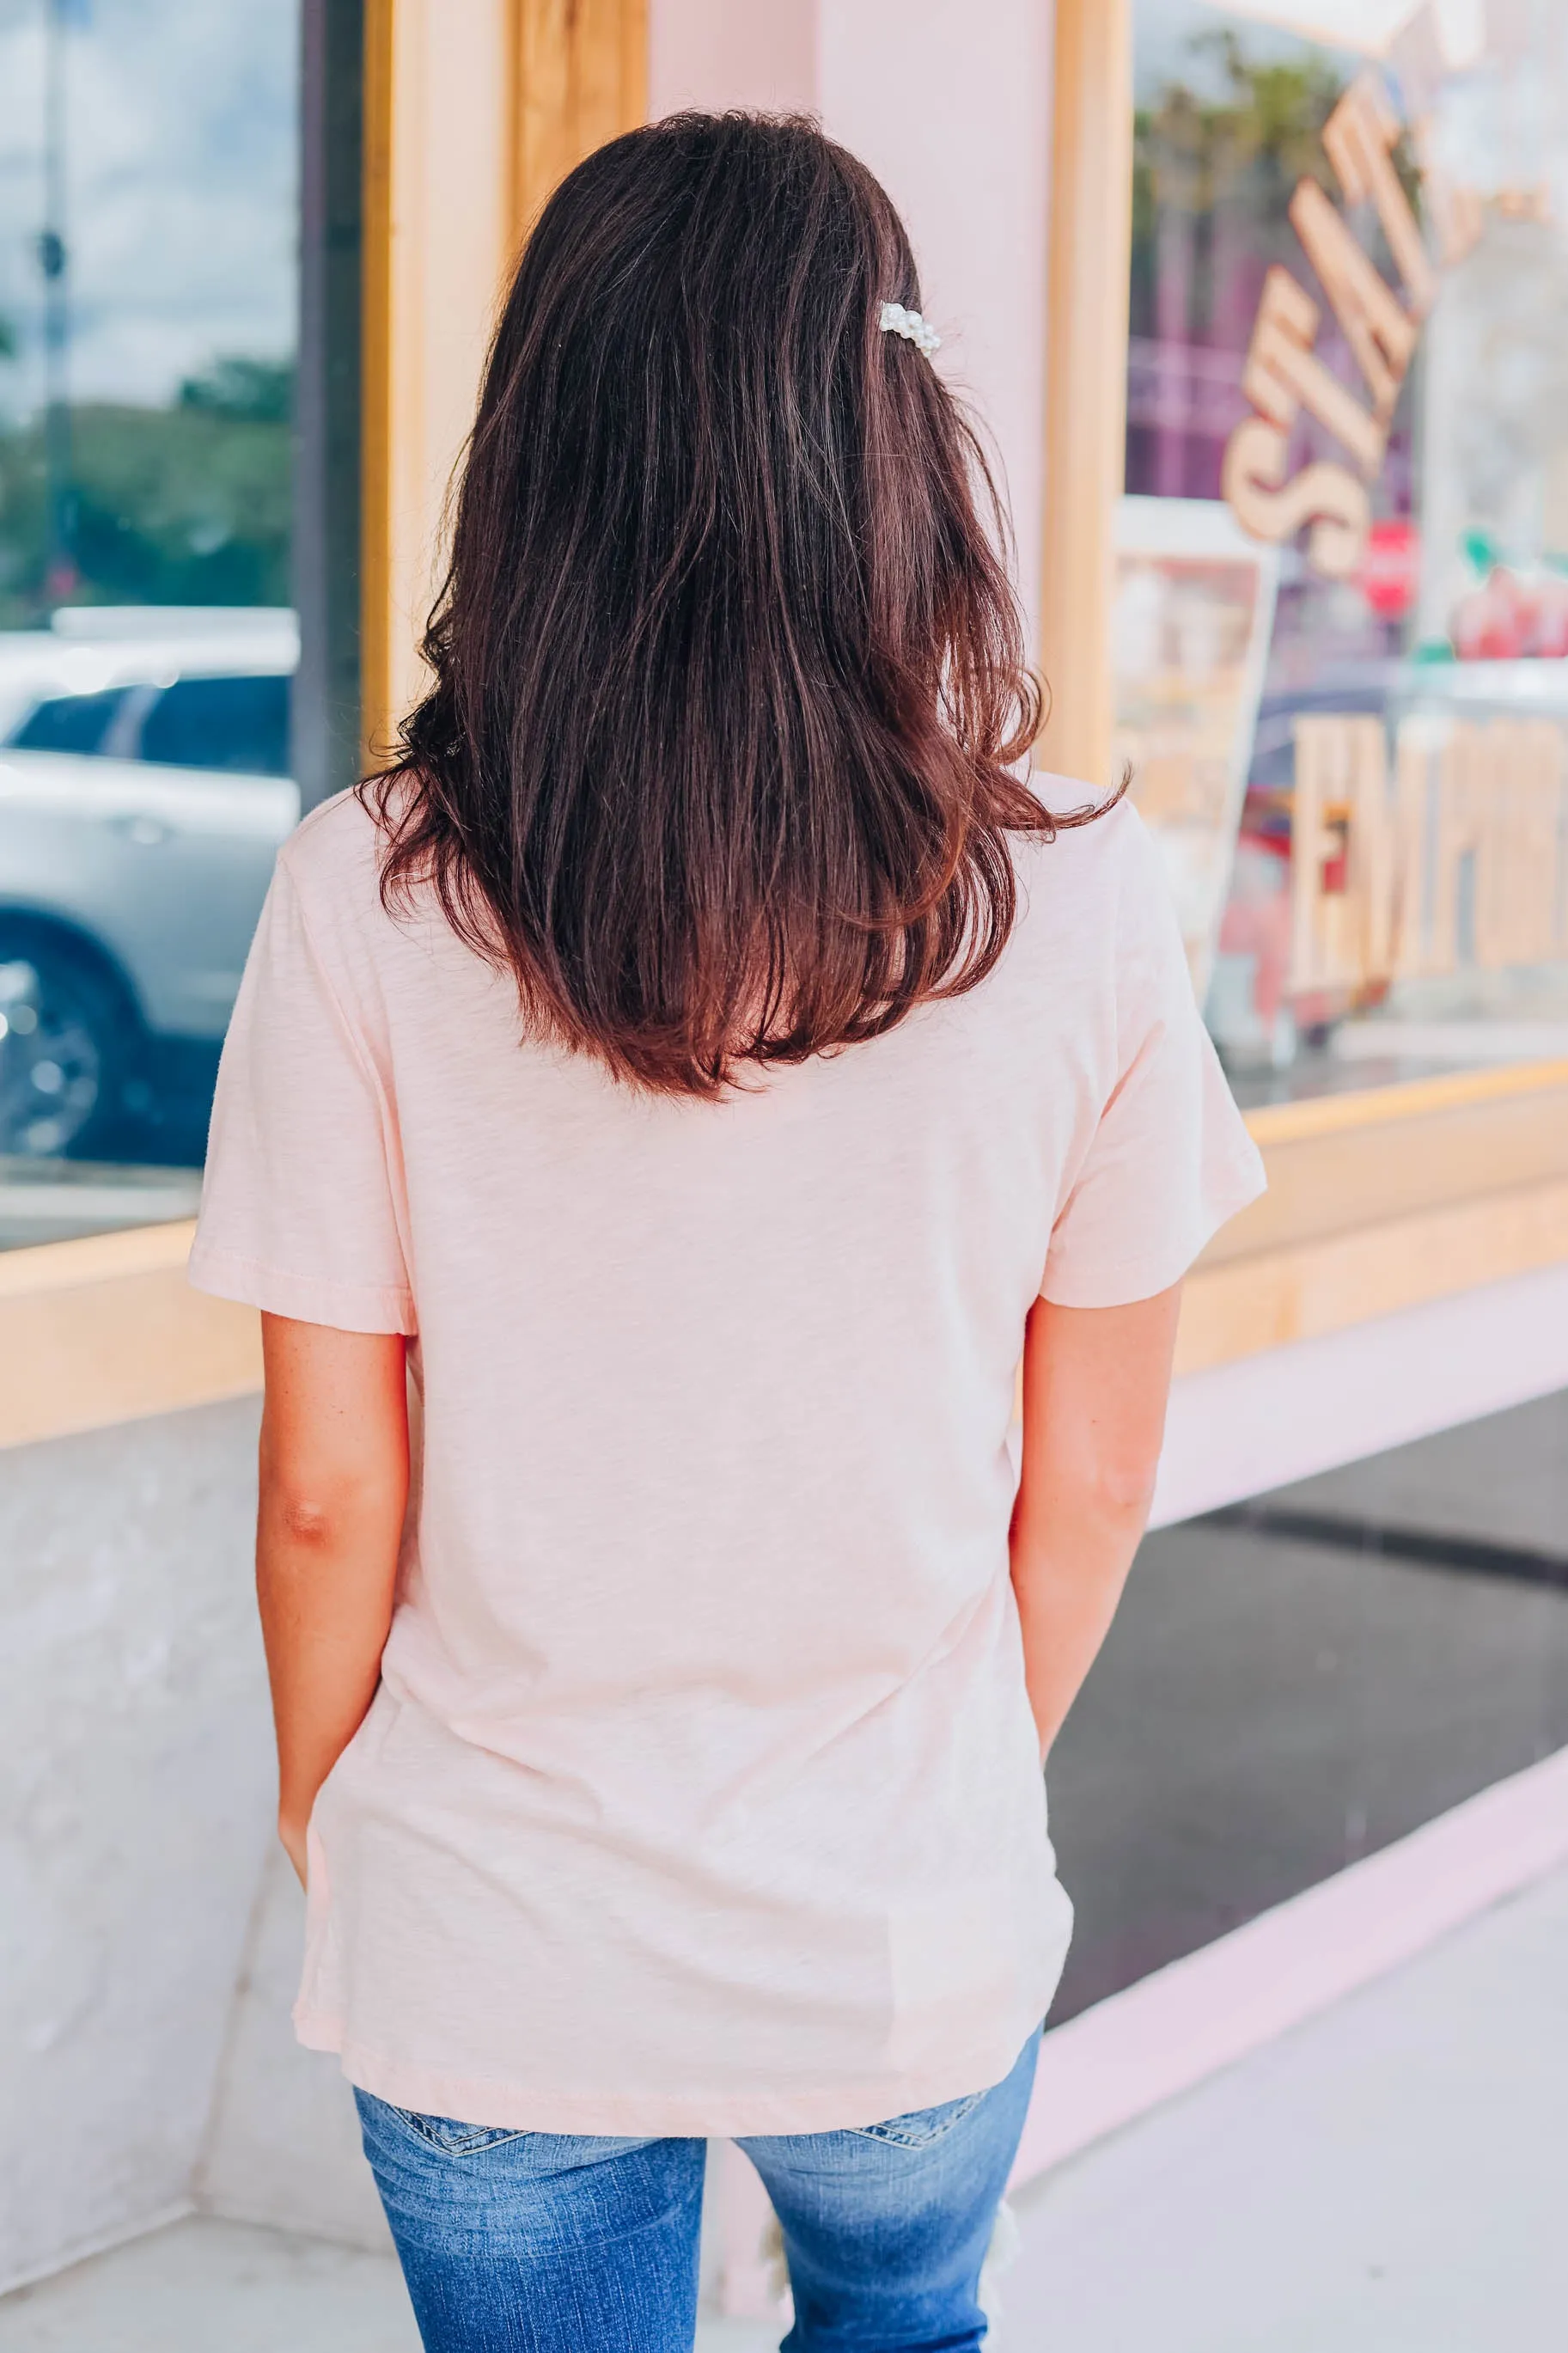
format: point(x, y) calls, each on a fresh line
point(63, 1051)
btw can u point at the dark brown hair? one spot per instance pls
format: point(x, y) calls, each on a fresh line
point(729, 676)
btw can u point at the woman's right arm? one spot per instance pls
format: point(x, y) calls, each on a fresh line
point(1096, 1380)
point(334, 1484)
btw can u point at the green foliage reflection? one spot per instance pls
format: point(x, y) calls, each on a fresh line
point(183, 506)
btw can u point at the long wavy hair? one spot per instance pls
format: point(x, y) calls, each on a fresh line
point(729, 677)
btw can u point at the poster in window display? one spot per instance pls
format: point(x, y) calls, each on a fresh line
point(1191, 621)
point(1349, 316)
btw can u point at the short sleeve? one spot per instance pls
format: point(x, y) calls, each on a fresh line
point(1170, 1159)
point(299, 1215)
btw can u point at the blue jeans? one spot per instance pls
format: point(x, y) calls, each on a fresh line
point(551, 2242)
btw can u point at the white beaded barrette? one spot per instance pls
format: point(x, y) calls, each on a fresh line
point(897, 321)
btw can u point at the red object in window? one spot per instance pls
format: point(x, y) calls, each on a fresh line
point(1549, 617)
point(1391, 568)
point(1494, 622)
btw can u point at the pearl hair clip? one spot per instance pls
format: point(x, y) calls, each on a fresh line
point(897, 321)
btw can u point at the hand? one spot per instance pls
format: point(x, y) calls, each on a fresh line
point(293, 1837)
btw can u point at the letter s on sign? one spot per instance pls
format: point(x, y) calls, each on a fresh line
point(1328, 497)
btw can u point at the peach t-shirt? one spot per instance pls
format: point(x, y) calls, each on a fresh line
point(700, 1793)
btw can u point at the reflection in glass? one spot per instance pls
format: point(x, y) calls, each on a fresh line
point(1348, 299)
point(147, 235)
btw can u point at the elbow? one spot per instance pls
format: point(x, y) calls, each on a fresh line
point(1099, 1501)
point(323, 1515)
point(1115, 1495)
point(305, 1519)
point(316, 1506)
point(1126, 1490)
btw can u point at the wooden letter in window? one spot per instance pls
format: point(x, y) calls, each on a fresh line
point(1517, 779)
point(1358, 139)
point(1416, 787)
point(1327, 935)
point(1283, 375)
point(1458, 848)
point(1372, 845)
point(1328, 497)
point(1378, 328)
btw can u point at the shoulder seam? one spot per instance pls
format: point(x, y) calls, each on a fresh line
point(340, 1014)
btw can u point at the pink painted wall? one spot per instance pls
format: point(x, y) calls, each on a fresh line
point(949, 101)
point(950, 104)
point(719, 53)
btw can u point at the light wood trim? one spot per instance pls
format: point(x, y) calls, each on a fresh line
point(54, 1267)
point(1449, 1146)
point(108, 1330)
point(1086, 376)
point(472, 113)
point(1431, 1188)
point(375, 385)
point(580, 78)
point(1239, 1308)
point(439, 236)
point(1409, 1099)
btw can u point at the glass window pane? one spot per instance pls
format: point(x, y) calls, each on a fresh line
point(1343, 624)
point(150, 236)
point(221, 723)
point(68, 723)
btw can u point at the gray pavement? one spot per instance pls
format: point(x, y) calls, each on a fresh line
point(207, 2286)
point(1387, 2178)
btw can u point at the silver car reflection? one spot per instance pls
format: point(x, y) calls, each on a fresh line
point(144, 794)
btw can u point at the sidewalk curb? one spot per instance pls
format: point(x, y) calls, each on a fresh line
point(1186, 2021)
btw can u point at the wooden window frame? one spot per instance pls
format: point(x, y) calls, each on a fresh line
point(471, 117)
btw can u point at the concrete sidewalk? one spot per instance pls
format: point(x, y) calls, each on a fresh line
point(209, 2286)
point(1387, 2179)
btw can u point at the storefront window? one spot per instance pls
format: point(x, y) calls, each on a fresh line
point(1342, 628)
point(148, 231)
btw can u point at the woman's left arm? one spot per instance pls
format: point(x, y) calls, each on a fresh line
point(334, 1485)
